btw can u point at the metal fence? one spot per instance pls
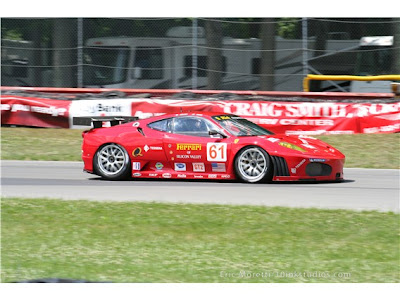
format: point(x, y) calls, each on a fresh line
point(224, 53)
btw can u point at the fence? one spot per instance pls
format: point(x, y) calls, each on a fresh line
point(230, 54)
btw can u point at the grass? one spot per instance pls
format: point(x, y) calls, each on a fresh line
point(361, 150)
point(150, 242)
point(379, 151)
point(40, 144)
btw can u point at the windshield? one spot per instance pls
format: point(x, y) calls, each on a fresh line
point(105, 65)
point(240, 127)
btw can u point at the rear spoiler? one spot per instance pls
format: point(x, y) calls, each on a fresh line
point(98, 121)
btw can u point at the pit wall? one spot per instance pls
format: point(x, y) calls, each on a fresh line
point(292, 113)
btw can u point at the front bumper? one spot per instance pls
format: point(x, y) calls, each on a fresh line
point(308, 169)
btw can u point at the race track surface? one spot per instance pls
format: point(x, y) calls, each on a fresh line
point(362, 189)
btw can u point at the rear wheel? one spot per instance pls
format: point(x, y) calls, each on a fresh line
point(112, 162)
point(253, 164)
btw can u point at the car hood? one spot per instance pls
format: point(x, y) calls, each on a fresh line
point(305, 145)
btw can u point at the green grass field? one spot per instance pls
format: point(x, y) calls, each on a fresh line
point(149, 242)
point(361, 150)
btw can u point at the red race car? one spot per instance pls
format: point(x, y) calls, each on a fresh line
point(204, 146)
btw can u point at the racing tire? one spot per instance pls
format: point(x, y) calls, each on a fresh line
point(253, 165)
point(112, 162)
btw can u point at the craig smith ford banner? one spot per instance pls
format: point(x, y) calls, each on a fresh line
point(288, 117)
point(281, 117)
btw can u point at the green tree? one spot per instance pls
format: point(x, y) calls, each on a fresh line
point(64, 58)
point(214, 54)
point(267, 36)
point(396, 45)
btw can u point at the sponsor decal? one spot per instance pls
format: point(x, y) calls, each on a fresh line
point(153, 174)
point(171, 152)
point(216, 151)
point(156, 148)
point(306, 137)
point(317, 160)
point(308, 146)
point(199, 167)
point(172, 158)
point(159, 166)
point(198, 176)
point(181, 175)
point(236, 141)
point(294, 170)
point(169, 145)
point(186, 156)
point(272, 140)
point(180, 167)
point(136, 166)
point(220, 118)
point(166, 175)
point(137, 174)
point(212, 176)
point(137, 152)
point(226, 176)
point(291, 146)
point(218, 167)
point(188, 147)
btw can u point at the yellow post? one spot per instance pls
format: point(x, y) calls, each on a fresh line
point(306, 81)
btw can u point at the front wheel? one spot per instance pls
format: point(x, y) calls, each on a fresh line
point(112, 162)
point(253, 164)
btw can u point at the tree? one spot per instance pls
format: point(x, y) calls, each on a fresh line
point(35, 35)
point(396, 45)
point(214, 54)
point(321, 28)
point(267, 36)
point(64, 58)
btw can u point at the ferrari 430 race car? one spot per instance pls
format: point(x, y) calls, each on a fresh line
point(206, 146)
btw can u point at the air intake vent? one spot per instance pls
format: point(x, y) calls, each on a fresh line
point(280, 166)
point(318, 169)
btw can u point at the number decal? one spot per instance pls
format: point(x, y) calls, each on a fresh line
point(216, 151)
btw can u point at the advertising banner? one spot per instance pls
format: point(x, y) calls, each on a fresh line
point(292, 118)
point(37, 112)
point(99, 107)
point(298, 118)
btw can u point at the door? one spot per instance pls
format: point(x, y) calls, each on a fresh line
point(190, 148)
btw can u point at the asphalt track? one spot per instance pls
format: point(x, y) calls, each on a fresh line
point(362, 189)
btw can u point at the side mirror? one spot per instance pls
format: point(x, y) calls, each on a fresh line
point(137, 72)
point(215, 132)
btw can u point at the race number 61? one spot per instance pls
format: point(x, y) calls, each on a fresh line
point(216, 151)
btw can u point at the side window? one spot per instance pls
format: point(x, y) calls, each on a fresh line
point(151, 62)
point(191, 126)
point(162, 125)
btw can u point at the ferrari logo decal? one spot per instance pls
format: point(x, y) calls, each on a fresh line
point(185, 147)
